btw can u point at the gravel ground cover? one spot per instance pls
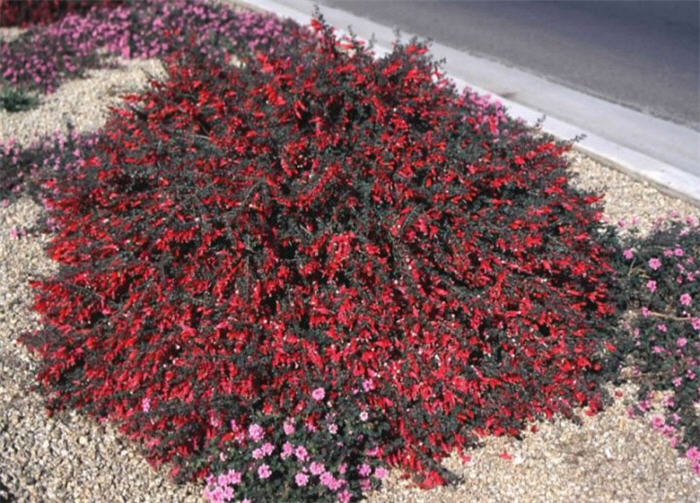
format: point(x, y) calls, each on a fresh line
point(611, 457)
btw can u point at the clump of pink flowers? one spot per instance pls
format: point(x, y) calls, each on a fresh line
point(326, 452)
point(47, 54)
point(660, 277)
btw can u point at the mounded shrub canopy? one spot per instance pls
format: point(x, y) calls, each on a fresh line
point(244, 236)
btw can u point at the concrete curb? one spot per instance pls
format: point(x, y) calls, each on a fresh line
point(663, 154)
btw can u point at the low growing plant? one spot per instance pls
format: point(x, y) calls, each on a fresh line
point(22, 168)
point(328, 450)
point(13, 99)
point(26, 12)
point(46, 55)
point(660, 276)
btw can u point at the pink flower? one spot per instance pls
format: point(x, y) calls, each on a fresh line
point(364, 470)
point(657, 422)
point(645, 311)
point(364, 416)
point(234, 477)
point(258, 453)
point(327, 479)
point(686, 299)
point(301, 453)
point(288, 427)
point(287, 450)
point(667, 430)
point(677, 381)
point(695, 322)
point(344, 496)
point(662, 327)
point(256, 432)
point(651, 285)
point(667, 401)
point(657, 349)
point(146, 405)
point(318, 394)
point(267, 448)
point(654, 263)
point(332, 429)
point(336, 484)
point(365, 485)
point(301, 479)
point(215, 495)
point(367, 385)
point(681, 342)
point(678, 252)
point(628, 254)
point(380, 472)
point(316, 468)
point(264, 471)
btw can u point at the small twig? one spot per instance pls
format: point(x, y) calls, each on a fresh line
point(666, 316)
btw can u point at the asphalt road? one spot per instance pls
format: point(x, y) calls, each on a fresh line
point(641, 54)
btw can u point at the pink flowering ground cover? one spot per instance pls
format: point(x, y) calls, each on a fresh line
point(44, 56)
point(661, 281)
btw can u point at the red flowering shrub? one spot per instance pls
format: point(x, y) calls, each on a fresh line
point(244, 236)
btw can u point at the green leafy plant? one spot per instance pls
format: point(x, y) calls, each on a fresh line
point(14, 99)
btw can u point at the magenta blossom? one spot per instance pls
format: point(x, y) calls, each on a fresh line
point(256, 432)
point(301, 479)
point(651, 285)
point(288, 427)
point(654, 263)
point(380, 472)
point(287, 450)
point(264, 471)
point(301, 453)
point(234, 477)
point(686, 299)
point(318, 394)
point(364, 470)
point(316, 468)
point(327, 479)
point(628, 254)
